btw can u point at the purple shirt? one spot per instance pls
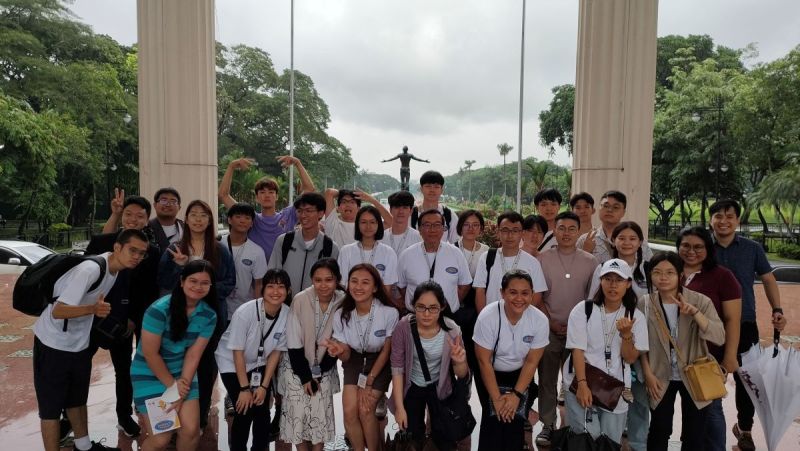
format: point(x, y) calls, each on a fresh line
point(266, 229)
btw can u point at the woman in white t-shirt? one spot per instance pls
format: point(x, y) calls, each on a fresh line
point(368, 248)
point(248, 354)
point(607, 333)
point(510, 337)
point(311, 380)
point(469, 227)
point(362, 331)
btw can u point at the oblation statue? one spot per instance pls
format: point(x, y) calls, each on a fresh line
point(405, 170)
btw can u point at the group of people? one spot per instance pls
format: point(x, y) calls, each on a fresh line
point(405, 297)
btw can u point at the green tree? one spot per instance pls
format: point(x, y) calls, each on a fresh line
point(556, 123)
point(504, 150)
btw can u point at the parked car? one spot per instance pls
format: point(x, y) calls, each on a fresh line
point(15, 256)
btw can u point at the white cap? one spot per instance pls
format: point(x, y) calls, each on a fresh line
point(617, 266)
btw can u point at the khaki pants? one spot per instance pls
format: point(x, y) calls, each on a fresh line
point(553, 359)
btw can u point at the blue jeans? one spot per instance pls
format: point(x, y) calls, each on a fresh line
point(600, 422)
point(715, 427)
point(638, 417)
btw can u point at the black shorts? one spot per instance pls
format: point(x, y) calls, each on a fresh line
point(61, 379)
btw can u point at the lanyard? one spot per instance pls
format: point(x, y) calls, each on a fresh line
point(319, 326)
point(513, 266)
point(364, 336)
point(269, 331)
point(371, 254)
point(431, 266)
point(398, 249)
point(608, 336)
point(672, 333)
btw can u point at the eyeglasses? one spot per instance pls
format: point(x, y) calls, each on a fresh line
point(507, 231)
point(472, 225)
point(659, 273)
point(197, 216)
point(612, 280)
point(168, 202)
point(201, 283)
point(563, 229)
point(432, 226)
point(434, 309)
point(697, 248)
point(135, 253)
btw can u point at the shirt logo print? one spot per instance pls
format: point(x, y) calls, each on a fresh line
point(452, 270)
point(380, 333)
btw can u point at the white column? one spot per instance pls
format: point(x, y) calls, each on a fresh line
point(177, 99)
point(614, 101)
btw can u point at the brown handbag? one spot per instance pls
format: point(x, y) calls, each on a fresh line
point(706, 381)
point(606, 389)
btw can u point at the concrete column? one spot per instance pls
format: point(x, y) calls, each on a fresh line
point(614, 101)
point(177, 99)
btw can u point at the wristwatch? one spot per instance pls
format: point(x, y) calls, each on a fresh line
point(244, 389)
point(777, 310)
point(519, 395)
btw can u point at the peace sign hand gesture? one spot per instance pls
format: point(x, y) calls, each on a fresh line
point(684, 307)
point(117, 201)
point(178, 257)
point(457, 352)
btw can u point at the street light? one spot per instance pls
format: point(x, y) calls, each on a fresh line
point(718, 168)
point(110, 165)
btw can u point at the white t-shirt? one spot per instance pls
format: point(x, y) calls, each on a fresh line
point(384, 320)
point(451, 236)
point(251, 265)
point(532, 331)
point(71, 289)
point(451, 270)
point(638, 289)
point(173, 233)
point(551, 241)
point(525, 263)
point(593, 344)
point(473, 255)
point(381, 256)
point(245, 333)
point(401, 242)
point(340, 232)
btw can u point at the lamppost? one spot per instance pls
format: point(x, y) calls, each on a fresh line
point(110, 165)
point(718, 169)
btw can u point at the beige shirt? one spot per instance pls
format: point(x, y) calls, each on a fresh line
point(563, 293)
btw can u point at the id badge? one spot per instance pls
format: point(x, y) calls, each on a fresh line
point(255, 379)
point(316, 372)
point(362, 380)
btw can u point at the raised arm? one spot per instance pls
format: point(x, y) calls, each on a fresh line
point(330, 203)
point(418, 159)
point(224, 193)
point(385, 215)
point(391, 159)
point(306, 184)
point(112, 224)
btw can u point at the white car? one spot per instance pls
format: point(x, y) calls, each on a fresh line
point(15, 256)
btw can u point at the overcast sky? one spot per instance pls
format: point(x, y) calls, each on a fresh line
point(442, 76)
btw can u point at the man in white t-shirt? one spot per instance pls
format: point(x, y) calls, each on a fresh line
point(248, 257)
point(62, 362)
point(399, 235)
point(548, 202)
point(434, 259)
point(340, 217)
point(508, 258)
point(609, 340)
point(431, 184)
point(598, 241)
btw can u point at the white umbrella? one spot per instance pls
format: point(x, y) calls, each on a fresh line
point(771, 377)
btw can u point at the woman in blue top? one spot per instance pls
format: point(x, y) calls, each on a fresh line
point(175, 331)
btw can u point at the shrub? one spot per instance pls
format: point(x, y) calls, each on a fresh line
point(788, 250)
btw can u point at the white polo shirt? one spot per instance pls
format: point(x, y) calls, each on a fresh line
point(501, 265)
point(532, 331)
point(251, 264)
point(359, 329)
point(401, 242)
point(451, 271)
point(592, 340)
point(246, 333)
point(340, 232)
point(381, 256)
point(70, 289)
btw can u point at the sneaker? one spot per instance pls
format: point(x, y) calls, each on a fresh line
point(127, 426)
point(561, 396)
point(65, 429)
point(745, 439)
point(543, 439)
point(229, 410)
point(99, 446)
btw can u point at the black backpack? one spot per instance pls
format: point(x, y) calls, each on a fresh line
point(446, 212)
point(288, 239)
point(33, 290)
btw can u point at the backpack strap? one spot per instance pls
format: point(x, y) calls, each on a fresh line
point(286, 246)
point(491, 255)
point(327, 247)
point(499, 326)
point(414, 217)
point(420, 352)
point(101, 262)
point(448, 216)
point(588, 306)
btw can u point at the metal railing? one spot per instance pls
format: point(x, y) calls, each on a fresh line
point(777, 232)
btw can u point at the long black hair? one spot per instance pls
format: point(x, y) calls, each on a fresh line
point(628, 299)
point(430, 286)
point(710, 261)
point(638, 276)
point(178, 320)
point(349, 304)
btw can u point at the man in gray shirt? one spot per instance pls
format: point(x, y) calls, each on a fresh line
point(568, 272)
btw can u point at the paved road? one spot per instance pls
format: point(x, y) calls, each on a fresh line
point(19, 424)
